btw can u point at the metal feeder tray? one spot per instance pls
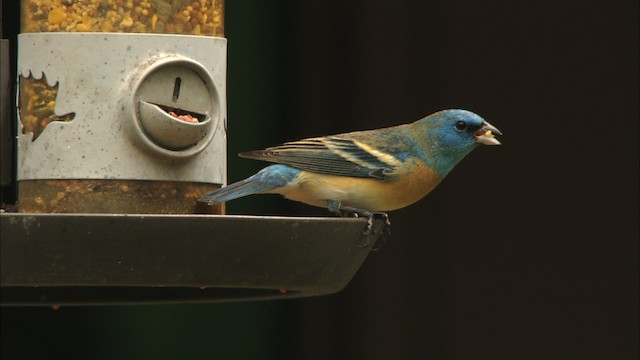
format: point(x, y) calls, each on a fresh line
point(90, 259)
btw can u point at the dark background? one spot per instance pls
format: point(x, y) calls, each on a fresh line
point(525, 251)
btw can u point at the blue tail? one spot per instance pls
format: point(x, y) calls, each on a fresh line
point(269, 178)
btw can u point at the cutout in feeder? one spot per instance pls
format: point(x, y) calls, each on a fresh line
point(37, 100)
point(170, 127)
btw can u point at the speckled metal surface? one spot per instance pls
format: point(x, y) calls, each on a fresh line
point(103, 140)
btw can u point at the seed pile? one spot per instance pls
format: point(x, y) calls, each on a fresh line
point(185, 17)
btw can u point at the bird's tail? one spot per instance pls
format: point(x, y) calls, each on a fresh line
point(269, 178)
point(236, 190)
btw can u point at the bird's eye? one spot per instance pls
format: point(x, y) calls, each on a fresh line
point(461, 126)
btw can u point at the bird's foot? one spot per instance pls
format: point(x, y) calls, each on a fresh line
point(370, 230)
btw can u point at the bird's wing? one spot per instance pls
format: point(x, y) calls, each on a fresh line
point(333, 155)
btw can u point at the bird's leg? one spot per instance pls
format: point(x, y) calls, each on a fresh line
point(346, 211)
point(334, 206)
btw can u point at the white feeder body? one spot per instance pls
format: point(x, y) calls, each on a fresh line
point(147, 107)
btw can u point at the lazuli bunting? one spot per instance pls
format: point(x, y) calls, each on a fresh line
point(366, 171)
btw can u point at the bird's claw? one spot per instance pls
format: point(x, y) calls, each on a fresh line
point(386, 230)
point(370, 229)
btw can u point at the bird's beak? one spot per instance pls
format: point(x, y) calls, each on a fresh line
point(485, 134)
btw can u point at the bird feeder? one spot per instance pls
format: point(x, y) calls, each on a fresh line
point(122, 106)
point(122, 127)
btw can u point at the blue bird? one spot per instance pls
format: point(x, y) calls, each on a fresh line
point(366, 172)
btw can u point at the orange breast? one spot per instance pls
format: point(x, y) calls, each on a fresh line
point(364, 193)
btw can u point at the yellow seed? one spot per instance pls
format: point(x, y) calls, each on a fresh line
point(487, 133)
point(56, 16)
point(127, 22)
point(154, 20)
point(83, 27)
point(106, 27)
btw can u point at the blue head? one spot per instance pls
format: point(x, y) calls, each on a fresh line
point(451, 135)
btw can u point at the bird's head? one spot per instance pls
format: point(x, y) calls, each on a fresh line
point(454, 133)
point(462, 128)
